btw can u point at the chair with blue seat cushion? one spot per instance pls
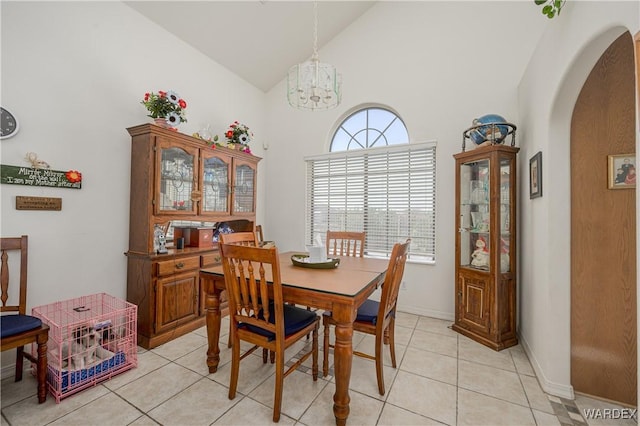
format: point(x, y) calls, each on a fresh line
point(18, 329)
point(345, 243)
point(376, 318)
point(259, 316)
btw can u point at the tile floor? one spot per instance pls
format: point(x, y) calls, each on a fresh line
point(442, 378)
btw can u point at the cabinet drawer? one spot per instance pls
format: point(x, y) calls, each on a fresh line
point(167, 267)
point(210, 259)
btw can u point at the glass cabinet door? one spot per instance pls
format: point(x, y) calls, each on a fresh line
point(215, 184)
point(243, 188)
point(475, 210)
point(175, 179)
point(505, 214)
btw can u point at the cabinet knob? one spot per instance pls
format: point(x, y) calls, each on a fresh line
point(179, 265)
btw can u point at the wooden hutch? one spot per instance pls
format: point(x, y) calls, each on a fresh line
point(180, 181)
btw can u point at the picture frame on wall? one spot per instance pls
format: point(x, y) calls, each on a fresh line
point(622, 171)
point(535, 176)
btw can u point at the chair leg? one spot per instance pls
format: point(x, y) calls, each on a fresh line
point(314, 348)
point(277, 397)
point(235, 367)
point(41, 366)
point(380, 363)
point(19, 365)
point(392, 342)
point(325, 349)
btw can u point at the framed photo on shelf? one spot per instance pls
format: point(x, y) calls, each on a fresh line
point(622, 171)
point(535, 176)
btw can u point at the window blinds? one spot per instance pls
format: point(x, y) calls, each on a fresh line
point(388, 192)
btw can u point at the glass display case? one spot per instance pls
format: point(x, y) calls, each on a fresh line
point(485, 245)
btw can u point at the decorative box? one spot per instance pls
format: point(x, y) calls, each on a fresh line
point(194, 236)
point(200, 237)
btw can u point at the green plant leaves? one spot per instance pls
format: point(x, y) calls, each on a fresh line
point(551, 8)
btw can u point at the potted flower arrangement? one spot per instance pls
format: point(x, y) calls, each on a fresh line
point(167, 106)
point(239, 136)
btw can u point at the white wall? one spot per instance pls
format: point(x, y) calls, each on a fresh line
point(74, 73)
point(439, 65)
point(567, 52)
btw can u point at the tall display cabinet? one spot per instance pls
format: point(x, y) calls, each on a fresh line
point(179, 180)
point(485, 271)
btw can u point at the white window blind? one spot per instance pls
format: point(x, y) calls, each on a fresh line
point(388, 192)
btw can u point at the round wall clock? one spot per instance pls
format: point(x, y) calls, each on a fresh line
point(8, 124)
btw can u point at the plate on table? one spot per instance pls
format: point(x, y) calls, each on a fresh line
point(303, 261)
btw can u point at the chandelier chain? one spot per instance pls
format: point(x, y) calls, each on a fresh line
point(315, 29)
point(314, 85)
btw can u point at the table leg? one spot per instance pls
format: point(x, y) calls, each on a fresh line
point(42, 367)
point(212, 305)
point(342, 357)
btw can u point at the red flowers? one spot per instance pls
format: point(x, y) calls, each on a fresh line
point(73, 176)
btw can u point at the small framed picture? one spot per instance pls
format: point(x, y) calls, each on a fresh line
point(535, 176)
point(622, 171)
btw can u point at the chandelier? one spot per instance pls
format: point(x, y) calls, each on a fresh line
point(312, 84)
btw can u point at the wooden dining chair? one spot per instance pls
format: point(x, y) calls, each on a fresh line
point(345, 243)
point(246, 238)
point(376, 318)
point(18, 329)
point(259, 315)
point(259, 234)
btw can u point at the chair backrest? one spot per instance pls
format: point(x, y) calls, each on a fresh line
point(248, 272)
point(392, 280)
point(259, 233)
point(345, 243)
point(19, 245)
point(240, 238)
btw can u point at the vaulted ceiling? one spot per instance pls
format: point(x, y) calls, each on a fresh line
point(257, 40)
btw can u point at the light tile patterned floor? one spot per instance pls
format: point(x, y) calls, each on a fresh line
point(442, 378)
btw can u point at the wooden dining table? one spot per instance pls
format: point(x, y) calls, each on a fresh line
point(340, 290)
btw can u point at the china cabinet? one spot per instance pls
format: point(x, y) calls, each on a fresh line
point(178, 179)
point(485, 271)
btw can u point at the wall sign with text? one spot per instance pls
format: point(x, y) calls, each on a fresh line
point(30, 176)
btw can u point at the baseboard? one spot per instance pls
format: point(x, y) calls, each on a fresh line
point(552, 388)
point(8, 371)
point(448, 316)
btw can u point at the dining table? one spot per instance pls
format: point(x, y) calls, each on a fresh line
point(340, 290)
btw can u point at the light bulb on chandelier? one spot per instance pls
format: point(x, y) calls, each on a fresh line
point(313, 84)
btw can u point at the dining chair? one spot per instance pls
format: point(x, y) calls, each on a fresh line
point(259, 315)
point(247, 238)
point(345, 243)
point(376, 318)
point(242, 238)
point(18, 329)
point(259, 234)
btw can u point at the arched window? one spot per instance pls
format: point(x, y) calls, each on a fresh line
point(375, 181)
point(369, 128)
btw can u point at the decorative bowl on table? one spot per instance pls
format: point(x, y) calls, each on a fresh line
point(304, 261)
